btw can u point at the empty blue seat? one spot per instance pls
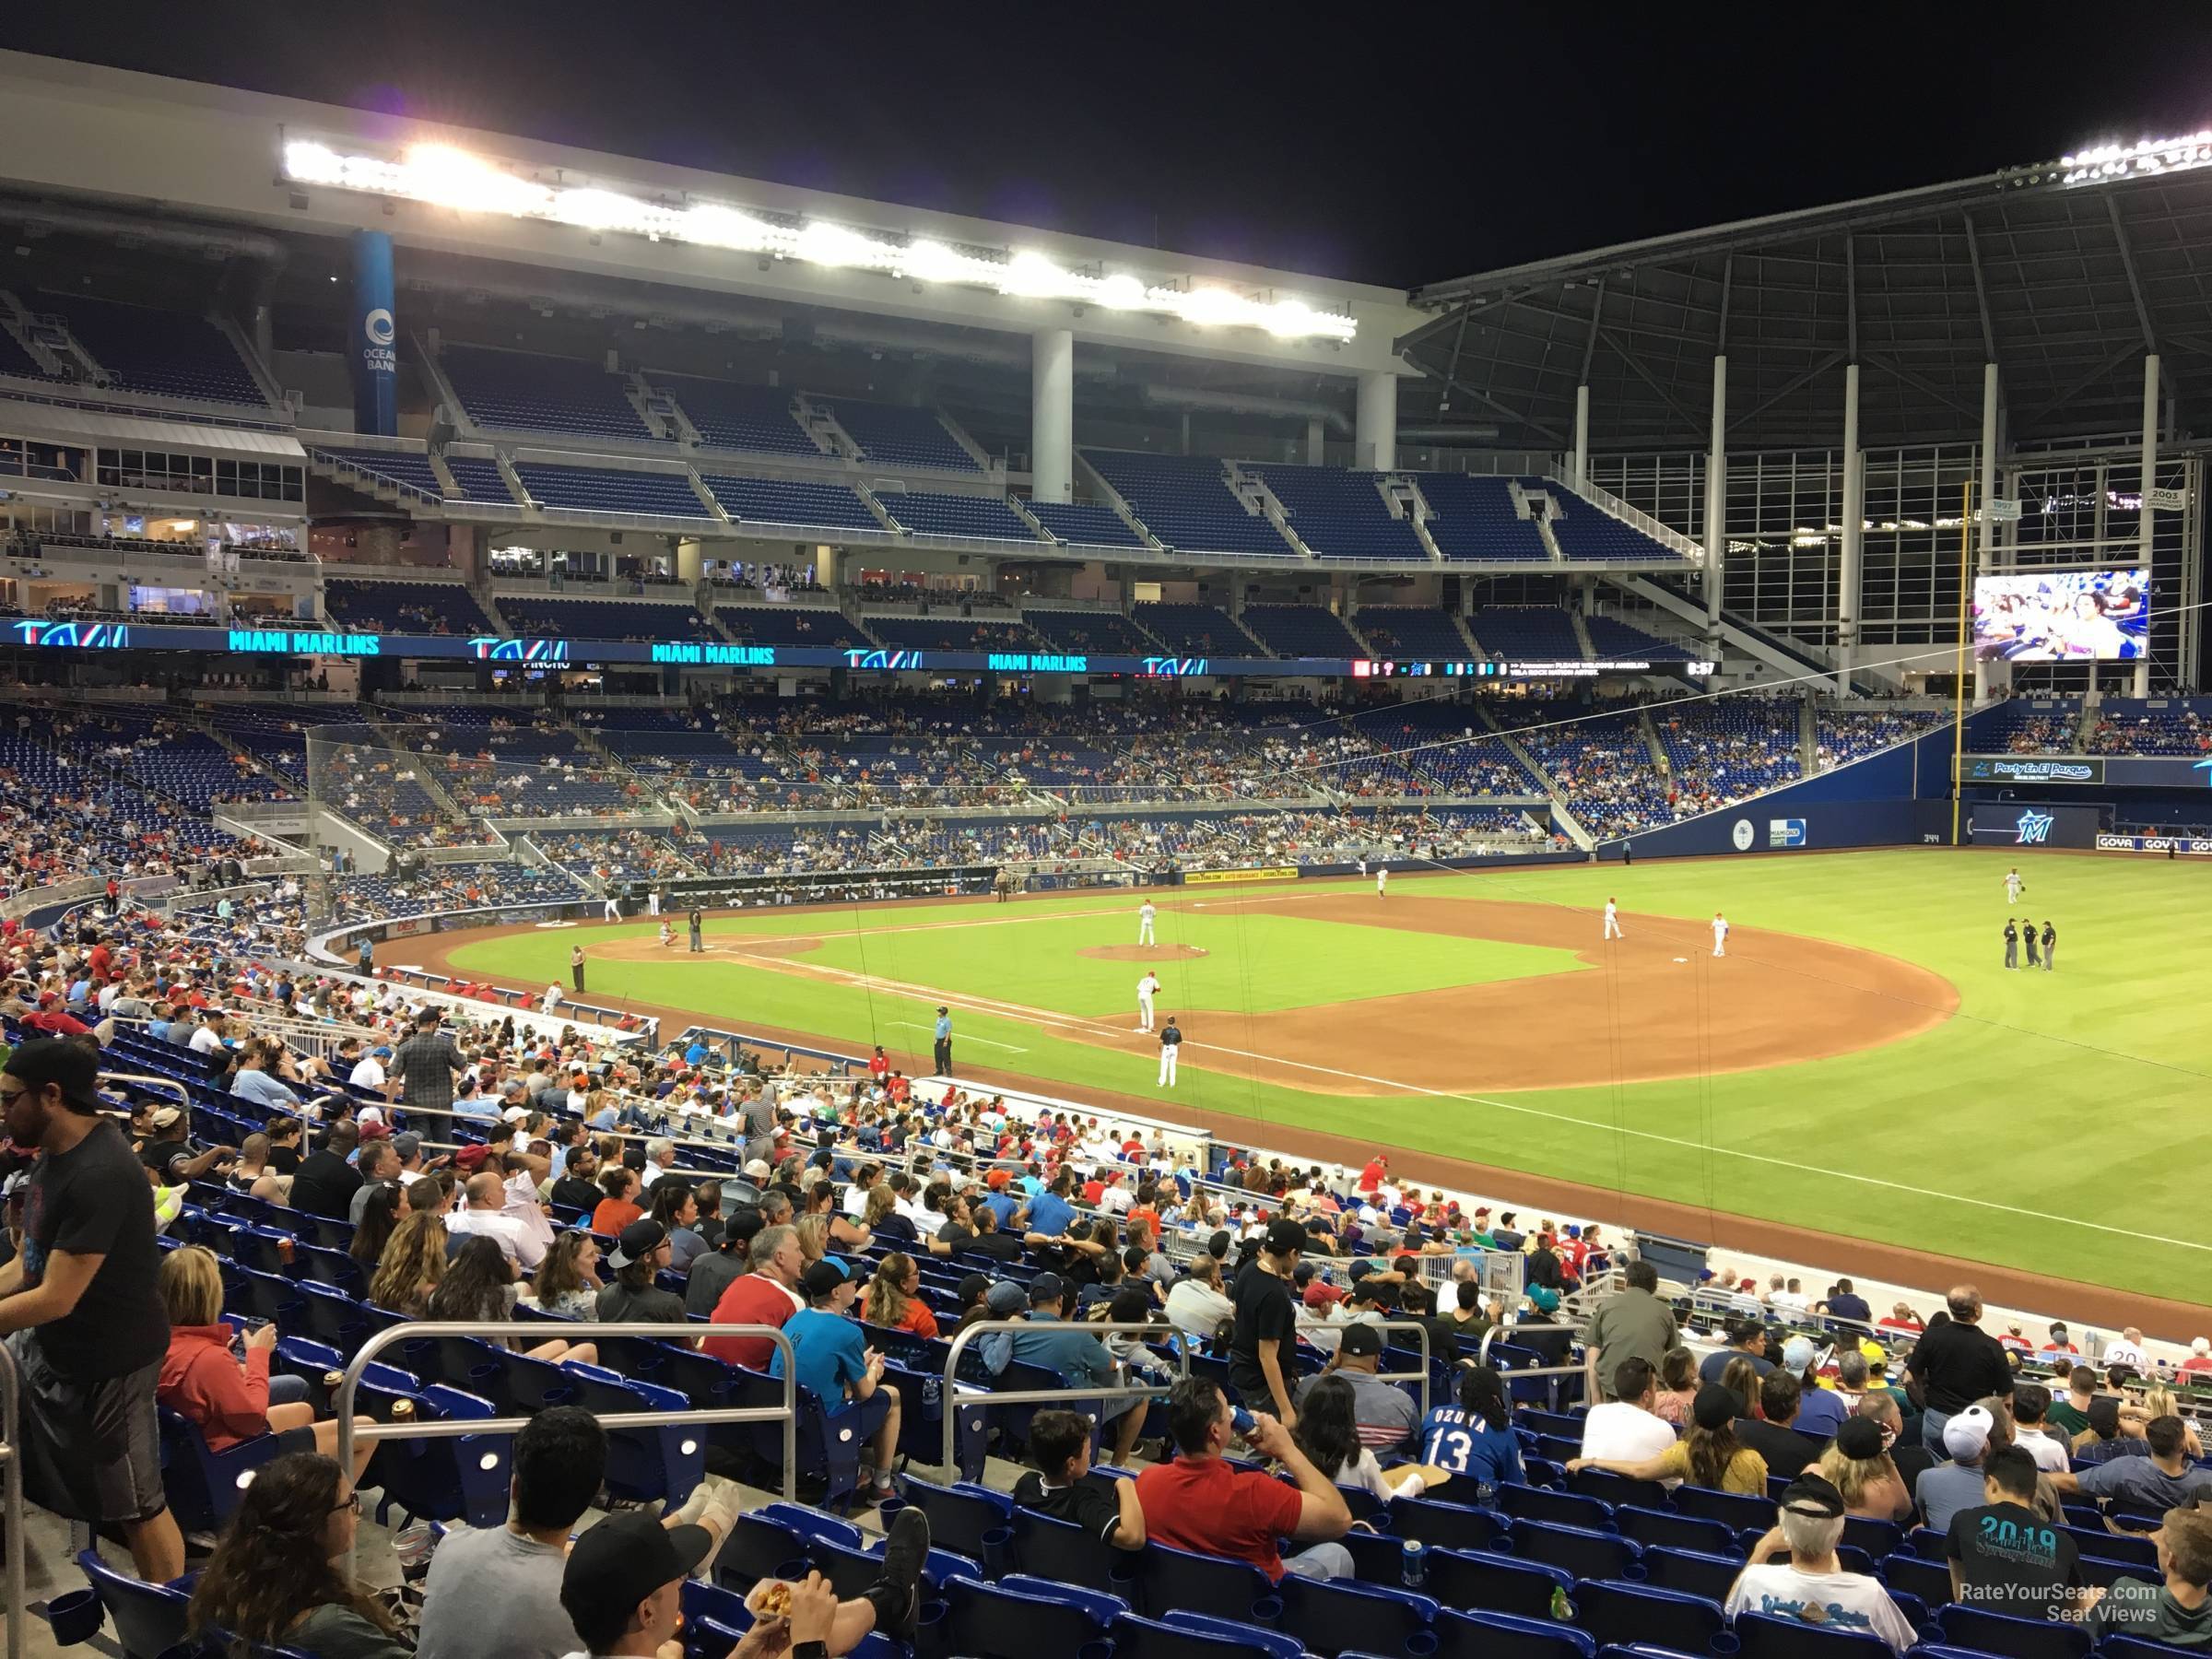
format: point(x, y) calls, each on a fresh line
point(1170, 1578)
point(1579, 1551)
point(1670, 1531)
point(1693, 1570)
point(1337, 1615)
point(1479, 1633)
point(1617, 1490)
point(1564, 1509)
point(1738, 1510)
point(1483, 1578)
point(2015, 1638)
point(1196, 1636)
point(148, 1618)
point(1763, 1636)
point(1018, 1620)
point(1930, 1581)
point(1613, 1611)
point(971, 1519)
point(1046, 1547)
point(1449, 1526)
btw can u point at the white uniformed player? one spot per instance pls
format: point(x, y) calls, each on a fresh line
point(1612, 921)
point(1145, 989)
point(1171, 1046)
point(1381, 881)
point(2014, 886)
point(1720, 935)
point(1144, 912)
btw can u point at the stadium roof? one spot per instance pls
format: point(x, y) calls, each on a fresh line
point(2065, 274)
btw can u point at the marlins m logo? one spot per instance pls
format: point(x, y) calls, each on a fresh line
point(2035, 829)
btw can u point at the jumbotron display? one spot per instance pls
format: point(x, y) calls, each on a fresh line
point(2062, 616)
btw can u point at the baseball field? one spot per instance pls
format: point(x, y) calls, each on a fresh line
point(1860, 1063)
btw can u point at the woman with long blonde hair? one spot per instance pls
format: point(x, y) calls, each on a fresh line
point(413, 1262)
point(814, 1237)
point(1861, 1469)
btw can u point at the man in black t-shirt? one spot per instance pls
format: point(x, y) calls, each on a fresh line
point(1105, 1507)
point(988, 1241)
point(1956, 1362)
point(2006, 1558)
point(1788, 1453)
point(78, 1307)
point(1263, 1351)
point(325, 1184)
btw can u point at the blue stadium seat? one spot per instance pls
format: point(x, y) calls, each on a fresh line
point(1018, 1620)
point(1909, 1574)
point(1987, 1631)
point(1450, 1525)
point(974, 1520)
point(1196, 1636)
point(1045, 1547)
point(1615, 1611)
point(148, 1618)
point(1337, 1616)
point(1479, 1633)
point(1579, 1551)
point(1170, 1578)
point(1693, 1572)
point(1482, 1578)
point(1084, 523)
point(1565, 1508)
point(755, 1548)
point(1763, 1636)
point(1667, 1530)
point(203, 1485)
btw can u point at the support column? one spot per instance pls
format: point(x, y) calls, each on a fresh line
point(1716, 505)
point(1316, 440)
point(691, 560)
point(2147, 519)
point(1987, 563)
point(1849, 574)
point(1578, 465)
point(1375, 443)
point(1053, 414)
point(371, 353)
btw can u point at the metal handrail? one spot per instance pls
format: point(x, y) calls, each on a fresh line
point(11, 1464)
point(455, 1428)
point(955, 1395)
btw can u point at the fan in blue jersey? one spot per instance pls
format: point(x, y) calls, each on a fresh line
point(1476, 1437)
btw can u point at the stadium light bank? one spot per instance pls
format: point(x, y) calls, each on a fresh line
point(439, 175)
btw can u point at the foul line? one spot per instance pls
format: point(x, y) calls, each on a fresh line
point(912, 1025)
point(1021, 1014)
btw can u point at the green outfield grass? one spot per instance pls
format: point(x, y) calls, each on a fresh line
point(2058, 1123)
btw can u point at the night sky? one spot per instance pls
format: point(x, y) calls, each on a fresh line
point(1379, 144)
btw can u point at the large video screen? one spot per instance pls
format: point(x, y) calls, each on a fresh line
point(2062, 616)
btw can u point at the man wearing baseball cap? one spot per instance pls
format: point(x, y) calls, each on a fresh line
point(80, 1310)
point(1079, 1358)
point(829, 1357)
point(1263, 1352)
point(1381, 1412)
point(1811, 1587)
point(1945, 1489)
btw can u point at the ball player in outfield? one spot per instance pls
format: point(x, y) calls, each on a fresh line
point(2014, 886)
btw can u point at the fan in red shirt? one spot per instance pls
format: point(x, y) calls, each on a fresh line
point(879, 1064)
point(1372, 1177)
point(763, 1297)
point(1198, 1502)
point(55, 1020)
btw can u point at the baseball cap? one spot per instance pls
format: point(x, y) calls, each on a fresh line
point(1319, 1293)
point(824, 1277)
point(1796, 1354)
point(757, 1168)
point(1859, 1438)
point(639, 1240)
point(625, 1559)
point(974, 1285)
point(1006, 1297)
point(1715, 1405)
point(1360, 1340)
point(406, 1143)
point(1814, 1496)
point(164, 1116)
point(383, 1051)
point(1045, 1287)
point(1285, 1236)
point(1543, 1299)
point(71, 1067)
point(1966, 1436)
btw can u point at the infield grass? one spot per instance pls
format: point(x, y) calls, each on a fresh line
point(2060, 1122)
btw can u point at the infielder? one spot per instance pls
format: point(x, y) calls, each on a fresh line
point(2014, 886)
point(1145, 914)
point(1381, 882)
point(1612, 921)
point(1171, 1045)
point(614, 906)
point(1720, 935)
point(1146, 988)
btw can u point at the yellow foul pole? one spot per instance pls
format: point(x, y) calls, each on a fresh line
point(1966, 537)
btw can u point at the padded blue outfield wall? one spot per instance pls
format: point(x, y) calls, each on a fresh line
point(1900, 797)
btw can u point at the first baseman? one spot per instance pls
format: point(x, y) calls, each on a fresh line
point(1146, 988)
point(1720, 935)
point(1612, 921)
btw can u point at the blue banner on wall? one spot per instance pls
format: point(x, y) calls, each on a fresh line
point(373, 353)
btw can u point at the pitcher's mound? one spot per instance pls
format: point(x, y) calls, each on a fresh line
point(1140, 953)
